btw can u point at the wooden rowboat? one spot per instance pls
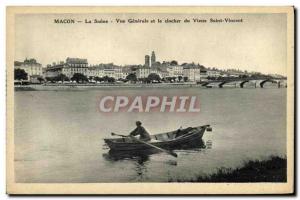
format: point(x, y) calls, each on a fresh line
point(143, 155)
point(168, 140)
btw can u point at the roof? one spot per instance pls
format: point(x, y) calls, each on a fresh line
point(144, 68)
point(76, 61)
point(18, 63)
point(92, 68)
point(26, 62)
point(30, 61)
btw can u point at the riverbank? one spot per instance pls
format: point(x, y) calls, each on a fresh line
point(74, 87)
point(66, 87)
point(272, 170)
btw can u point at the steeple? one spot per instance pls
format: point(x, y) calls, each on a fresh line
point(153, 58)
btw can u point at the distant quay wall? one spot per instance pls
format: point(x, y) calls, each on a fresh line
point(58, 87)
point(74, 87)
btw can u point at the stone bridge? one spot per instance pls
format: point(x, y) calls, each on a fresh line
point(241, 83)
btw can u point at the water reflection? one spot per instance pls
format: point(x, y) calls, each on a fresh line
point(142, 156)
point(139, 156)
point(208, 144)
point(141, 160)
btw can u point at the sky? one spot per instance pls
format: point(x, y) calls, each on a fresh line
point(256, 44)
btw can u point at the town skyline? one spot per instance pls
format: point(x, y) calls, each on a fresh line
point(257, 44)
point(216, 68)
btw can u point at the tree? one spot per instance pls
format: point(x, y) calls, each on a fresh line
point(98, 79)
point(131, 77)
point(210, 78)
point(78, 77)
point(61, 77)
point(20, 74)
point(105, 78)
point(169, 79)
point(122, 80)
point(91, 78)
point(174, 62)
point(40, 79)
point(144, 80)
point(154, 77)
point(179, 78)
point(111, 79)
point(185, 79)
point(51, 79)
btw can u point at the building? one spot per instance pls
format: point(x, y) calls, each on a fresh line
point(213, 73)
point(31, 67)
point(54, 70)
point(164, 73)
point(147, 61)
point(143, 72)
point(156, 64)
point(75, 65)
point(126, 71)
point(157, 71)
point(178, 70)
point(110, 72)
point(92, 71)
point(192, 73)
point(118, 72)
point(165, 64)
point(44, 71)
point(203, 75)
point(153, 58)
point(170, 71)
point(68, 68)
point(95, 71)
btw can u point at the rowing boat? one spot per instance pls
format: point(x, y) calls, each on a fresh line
point(143, 155)
point(168, 140)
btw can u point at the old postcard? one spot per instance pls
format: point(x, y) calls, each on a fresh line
point(150, 100)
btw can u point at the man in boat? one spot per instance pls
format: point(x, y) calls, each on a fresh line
point(139, 130)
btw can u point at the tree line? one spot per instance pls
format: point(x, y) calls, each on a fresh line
point(20, 74)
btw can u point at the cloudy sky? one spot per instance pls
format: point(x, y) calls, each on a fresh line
point(256, 44)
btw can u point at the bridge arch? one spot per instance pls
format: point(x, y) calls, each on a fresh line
point(221, 84)
point(265, 81)
point(243, 83)
point(205, 84)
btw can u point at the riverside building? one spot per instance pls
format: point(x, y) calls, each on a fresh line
point(143, 72)
point(68, 68)
point(191, 72)
point(31, 67)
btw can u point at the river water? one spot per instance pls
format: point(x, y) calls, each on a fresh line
point(59, 134)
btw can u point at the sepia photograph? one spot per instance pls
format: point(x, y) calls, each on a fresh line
point(150, 100)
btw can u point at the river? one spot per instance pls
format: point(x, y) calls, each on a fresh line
point(59, 134)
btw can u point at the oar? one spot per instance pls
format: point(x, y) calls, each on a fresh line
point(151, 145)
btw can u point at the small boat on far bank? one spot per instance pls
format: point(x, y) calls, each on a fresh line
point(169, 140)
